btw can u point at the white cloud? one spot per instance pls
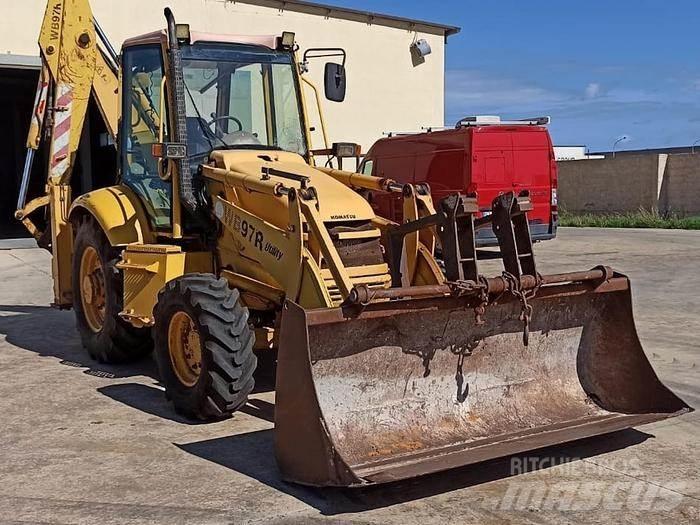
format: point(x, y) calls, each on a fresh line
point(472, 90)
point(594, 115)
point(592, 90)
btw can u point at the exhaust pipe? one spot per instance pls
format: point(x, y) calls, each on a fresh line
point(178, 124)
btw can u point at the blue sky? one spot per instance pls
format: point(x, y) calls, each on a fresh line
point(600, 69)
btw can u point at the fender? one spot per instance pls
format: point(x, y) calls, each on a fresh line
point(118, 211)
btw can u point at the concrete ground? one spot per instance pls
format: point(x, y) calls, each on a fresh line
point(87, 443)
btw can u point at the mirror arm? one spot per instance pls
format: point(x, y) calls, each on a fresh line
point(325, 52)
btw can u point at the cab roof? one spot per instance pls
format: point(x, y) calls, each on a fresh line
point(156, 37)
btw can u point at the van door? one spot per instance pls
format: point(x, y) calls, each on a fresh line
point(492, 164)
point(531, 171)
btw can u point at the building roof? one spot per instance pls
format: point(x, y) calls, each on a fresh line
point(357, 15)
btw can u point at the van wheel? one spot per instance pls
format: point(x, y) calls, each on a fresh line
point(204, 347)
point(98, 297)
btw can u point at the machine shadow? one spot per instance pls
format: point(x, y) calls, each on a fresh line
point(50, 332)
point(488, 254)
point(252, 454)
point(147, 399)
point(152, 401)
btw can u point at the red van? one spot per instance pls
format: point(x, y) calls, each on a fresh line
point(481, 154)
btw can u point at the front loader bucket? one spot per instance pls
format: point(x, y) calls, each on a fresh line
point(408, 387)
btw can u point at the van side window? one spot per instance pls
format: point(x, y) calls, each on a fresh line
point(367, 167)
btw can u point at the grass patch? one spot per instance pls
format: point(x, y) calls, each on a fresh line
point(639, 219)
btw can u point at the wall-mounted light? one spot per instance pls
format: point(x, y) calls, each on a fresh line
point(420, 48)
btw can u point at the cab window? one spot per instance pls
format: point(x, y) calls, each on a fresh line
point(141, 98)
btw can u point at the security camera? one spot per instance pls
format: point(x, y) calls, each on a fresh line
point(421, 48)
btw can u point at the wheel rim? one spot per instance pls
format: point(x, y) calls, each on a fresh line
point(92, 289)
point(184, 347)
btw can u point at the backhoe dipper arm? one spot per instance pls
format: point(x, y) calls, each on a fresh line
point(69, 52)
point(73, 67)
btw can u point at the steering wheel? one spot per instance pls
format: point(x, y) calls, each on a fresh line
point(226, 117)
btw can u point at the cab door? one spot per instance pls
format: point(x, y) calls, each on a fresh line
point(142, 75)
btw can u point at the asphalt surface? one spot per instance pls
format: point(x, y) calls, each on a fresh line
point(82, 442)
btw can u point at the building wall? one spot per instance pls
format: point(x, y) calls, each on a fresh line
point(653, 182)
point(385, 91)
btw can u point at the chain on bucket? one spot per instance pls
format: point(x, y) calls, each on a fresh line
point(524, 297)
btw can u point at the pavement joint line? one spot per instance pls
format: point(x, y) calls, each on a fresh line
point(28, 263)
point(33, 522)
point(64, 501)
point(638, 478)
point(276, 517)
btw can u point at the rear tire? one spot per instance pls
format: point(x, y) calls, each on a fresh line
point(106, 337)
point(204, 347)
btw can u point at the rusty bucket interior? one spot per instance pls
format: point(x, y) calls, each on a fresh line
point(409, 387)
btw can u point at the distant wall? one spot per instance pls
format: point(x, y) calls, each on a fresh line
point(652, 182)
point(608, 185)
point(679, 190)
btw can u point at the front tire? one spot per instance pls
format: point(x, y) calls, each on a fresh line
point(204, 347)
point(97, 299)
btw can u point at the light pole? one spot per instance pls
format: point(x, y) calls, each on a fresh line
point(623, 137)
point(692, 148)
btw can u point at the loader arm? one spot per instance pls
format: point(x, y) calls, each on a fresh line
point(415, 261)
point(302, 205)
point(74, 66)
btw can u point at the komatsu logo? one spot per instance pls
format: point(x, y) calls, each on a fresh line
point(348, 216)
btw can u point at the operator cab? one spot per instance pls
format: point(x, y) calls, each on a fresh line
point(241, 92)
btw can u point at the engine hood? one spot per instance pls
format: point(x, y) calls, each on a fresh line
point(337, 202)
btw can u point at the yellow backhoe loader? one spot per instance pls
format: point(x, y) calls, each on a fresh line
point(213, 237)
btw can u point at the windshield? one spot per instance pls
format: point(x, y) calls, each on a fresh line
point(241, 97)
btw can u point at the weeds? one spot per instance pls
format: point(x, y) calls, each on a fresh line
point(639, 219)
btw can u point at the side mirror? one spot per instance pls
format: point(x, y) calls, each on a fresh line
point(334, 82)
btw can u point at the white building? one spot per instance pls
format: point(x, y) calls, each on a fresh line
point(388, 88)
point(562, 153)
